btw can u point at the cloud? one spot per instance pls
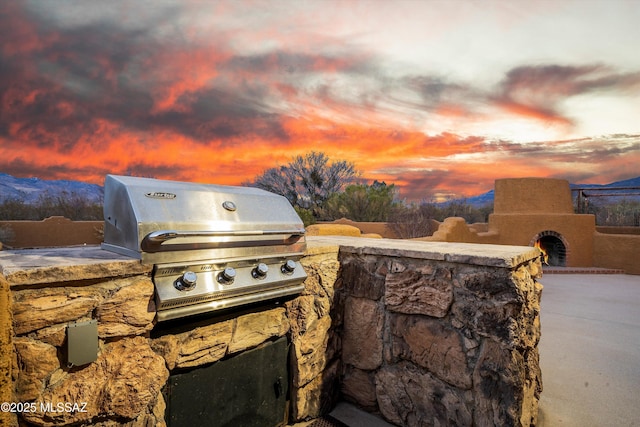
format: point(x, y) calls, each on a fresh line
point(597, 160)
point(168, 94)
point(138, 78)
point(538, 91)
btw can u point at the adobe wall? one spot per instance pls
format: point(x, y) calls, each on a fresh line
point(333, 230)
point(53, 231)
point(532, 195)
point(521, 229)
point(455, 229)
point(380, 228)
point(617, 251)
point(523, 209)
point(604, 229)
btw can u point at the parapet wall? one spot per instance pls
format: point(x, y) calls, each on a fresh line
point(380, 228)
point(53, 231)
point(617, 251)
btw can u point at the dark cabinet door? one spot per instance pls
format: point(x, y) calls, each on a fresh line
point(247, 390)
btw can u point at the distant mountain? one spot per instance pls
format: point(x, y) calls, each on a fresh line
point(481, 200)
point(633, 182)
point(30, 190)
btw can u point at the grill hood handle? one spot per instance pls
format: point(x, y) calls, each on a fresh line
point(161, 236)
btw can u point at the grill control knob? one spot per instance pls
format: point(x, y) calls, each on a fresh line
point(288, 267)
point(227, 275)
point(187, 281)
point(260, 272)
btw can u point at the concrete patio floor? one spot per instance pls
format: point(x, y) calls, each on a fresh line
point(590, 350)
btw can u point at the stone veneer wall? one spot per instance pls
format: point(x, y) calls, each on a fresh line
point(445, 337)
point(423, 334)
point(50, 288)
point(6, 346)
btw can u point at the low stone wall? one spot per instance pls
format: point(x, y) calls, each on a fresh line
point(63, 287)
point(51, 288)
point(421, 333)
point(445, 337)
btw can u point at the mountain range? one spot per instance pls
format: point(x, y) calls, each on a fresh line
point(30, 190)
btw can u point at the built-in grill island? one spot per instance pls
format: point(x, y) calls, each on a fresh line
point(213, 247)
point(358, 331)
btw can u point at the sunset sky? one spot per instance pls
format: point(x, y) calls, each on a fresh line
point(438, 97)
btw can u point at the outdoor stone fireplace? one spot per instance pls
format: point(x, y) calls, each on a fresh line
point(418, 333)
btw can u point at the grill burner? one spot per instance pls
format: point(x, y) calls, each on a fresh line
point(213, 247)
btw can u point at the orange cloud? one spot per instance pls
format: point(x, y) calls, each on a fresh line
point(419, 165)
point(183, 72)
point(532, 112)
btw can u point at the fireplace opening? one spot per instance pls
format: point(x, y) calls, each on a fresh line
point(553, 248)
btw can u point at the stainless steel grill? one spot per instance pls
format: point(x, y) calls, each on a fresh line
point(212, 246)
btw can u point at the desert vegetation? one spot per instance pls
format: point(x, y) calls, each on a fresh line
point(418, 220)
point(325, 190)
point(615, 213)
point(72, 206)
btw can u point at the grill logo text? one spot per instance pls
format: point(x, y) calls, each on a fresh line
point(160, 195)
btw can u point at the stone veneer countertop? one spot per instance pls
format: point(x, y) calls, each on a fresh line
point(63, 264)
point(468, 253)
point(23, 267)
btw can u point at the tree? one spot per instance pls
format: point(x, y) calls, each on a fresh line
point(307, 181)
point(362, 202)
point(412, 221)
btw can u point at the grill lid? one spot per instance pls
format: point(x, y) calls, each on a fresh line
point(161, 221)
